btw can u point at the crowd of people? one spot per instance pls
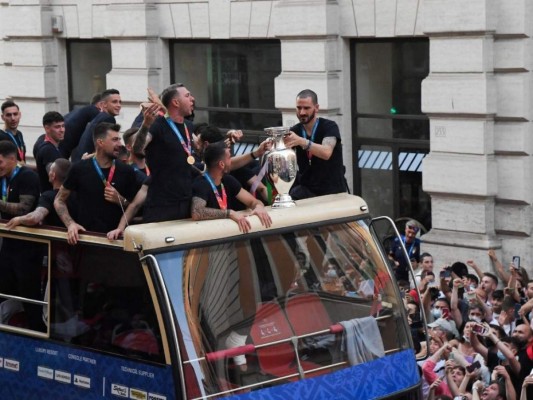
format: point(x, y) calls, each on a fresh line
point(479, 324)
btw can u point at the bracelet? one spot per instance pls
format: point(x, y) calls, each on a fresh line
point(308, 145)
point(253, 155)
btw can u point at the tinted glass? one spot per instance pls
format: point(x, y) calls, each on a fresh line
point(100, 300)
point(89, 63)
point(251, 297)
point(233, 79)
point(389, 76)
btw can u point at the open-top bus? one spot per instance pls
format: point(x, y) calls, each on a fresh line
point(305, 309)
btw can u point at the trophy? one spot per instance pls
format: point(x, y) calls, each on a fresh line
point(281, 167)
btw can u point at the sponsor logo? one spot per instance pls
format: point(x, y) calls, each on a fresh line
point(82, 381)
point(138, 394)
point(63, 377)
point(153, 396)
point(11, 365)
point(119, 390)
point(45, 372)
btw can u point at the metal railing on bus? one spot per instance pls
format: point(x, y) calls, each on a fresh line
point(251, 348)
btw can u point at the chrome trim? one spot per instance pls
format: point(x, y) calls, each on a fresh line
point(411, 271)
point(24, 299)
point(291, 339)
point(173, 331)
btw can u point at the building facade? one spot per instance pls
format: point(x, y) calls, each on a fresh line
point(432, 97)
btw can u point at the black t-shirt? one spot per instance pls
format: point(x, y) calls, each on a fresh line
point(86, 143)
point(321, 176)
point(170, 173)
point(46, 153)
point(37, 145)
point(243, 175)
point(19, 141)
point(75, 123)
point(47, 201)
point(94, 212)
point(202, 188)
point(413, 250)
point(25, 182)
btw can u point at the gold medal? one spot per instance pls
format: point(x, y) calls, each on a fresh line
point(190, 160)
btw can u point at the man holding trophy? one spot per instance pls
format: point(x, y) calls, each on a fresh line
point(317, 143)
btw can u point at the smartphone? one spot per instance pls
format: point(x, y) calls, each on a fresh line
point(479, 329)
point(445, 273)
point(517, 308)
point(516, 262)
point(471, 296)
point(472, 367)
point(445, 313)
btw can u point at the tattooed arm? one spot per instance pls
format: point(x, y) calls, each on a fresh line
point(60, 204)
point(199, 212)
point(323, 151)
point(143, 137)
point(20, 208)
point(36, 217)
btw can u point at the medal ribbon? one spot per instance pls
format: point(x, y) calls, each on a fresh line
point(411, 248)
point(304, 134)
point(186, 147)
point(5, 185)
point(19, 148)
point(222, 201)
point(101, 174)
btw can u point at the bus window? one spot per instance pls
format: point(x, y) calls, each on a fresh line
point(23, 282)
point(100, 300)
point(261, 312)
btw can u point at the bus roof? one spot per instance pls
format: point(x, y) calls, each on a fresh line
point(182, 232)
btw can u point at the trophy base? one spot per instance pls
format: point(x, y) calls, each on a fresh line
point(283, 201)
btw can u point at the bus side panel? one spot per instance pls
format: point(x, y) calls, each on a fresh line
point(36, 369)
point(379, 378)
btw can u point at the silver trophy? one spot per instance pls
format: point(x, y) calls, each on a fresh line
point(281, 166)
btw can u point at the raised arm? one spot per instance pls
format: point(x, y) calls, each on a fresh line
point(503, 275)
point(240, 161)
point(476, 268)
point(60, 204)
point(454, 303)
point(143, 137)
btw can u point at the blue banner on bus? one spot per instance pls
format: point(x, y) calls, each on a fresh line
point(35, 369)
point(378, 378)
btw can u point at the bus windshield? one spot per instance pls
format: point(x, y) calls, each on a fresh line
point(258, 313)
